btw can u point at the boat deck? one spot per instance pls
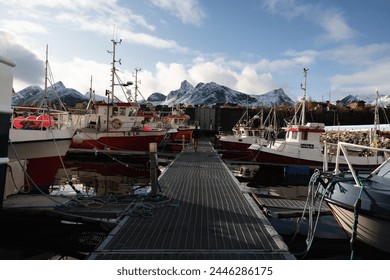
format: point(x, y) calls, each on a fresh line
point(200, 214)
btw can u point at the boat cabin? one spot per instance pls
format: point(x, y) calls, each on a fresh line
point(245, 132)
point(115, 117)
point(308, 136)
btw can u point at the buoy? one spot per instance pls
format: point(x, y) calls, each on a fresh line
point(77, 138)
point(116, 123)
point(32, 121)
point(45, 120)
point(18, 122)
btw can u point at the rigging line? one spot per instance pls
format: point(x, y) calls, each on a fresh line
point(107, 154)
point(52, 82)
point(28, 176)
point(9, 168)
point(312, 226)
point(78, 193)
point(354, 229)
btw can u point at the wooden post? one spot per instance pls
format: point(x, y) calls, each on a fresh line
point(153, 168)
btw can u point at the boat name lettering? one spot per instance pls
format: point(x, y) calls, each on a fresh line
point(307, 146)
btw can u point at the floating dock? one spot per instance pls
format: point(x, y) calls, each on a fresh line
point(200, 214)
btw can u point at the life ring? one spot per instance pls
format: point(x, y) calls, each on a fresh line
point(116, 123)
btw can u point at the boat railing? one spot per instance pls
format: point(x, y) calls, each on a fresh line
point(24, 117)
point(342, 151)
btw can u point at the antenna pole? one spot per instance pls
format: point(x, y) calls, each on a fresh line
point(136, 83)
point(113, 70)
point(303, 121)
point(90, 89)
point(376, 120)
point(46, 73)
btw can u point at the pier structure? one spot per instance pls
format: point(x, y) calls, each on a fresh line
point(199, 212)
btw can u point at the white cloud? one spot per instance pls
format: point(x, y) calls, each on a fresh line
point(23, 27)
point(98, 16)
point(168, 77)
point(330, 20)
point(218, 71)
point(335, 26)
point(29, 68)
point(188, 11)
point(364, 81)
point(287, 8)
point(249, 81)
point(354, 55)
point(77, 73)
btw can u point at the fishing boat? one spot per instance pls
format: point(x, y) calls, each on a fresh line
point(177, 125)
point(359, 201)
point(302, 146)
point(115, 125)
point(179, 130)
point(245, 132)
point(40, 136)
point(40, 142)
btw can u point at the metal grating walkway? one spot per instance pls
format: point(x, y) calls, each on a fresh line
point(205, 216)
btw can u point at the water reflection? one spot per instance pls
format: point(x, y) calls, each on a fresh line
point(102, 175)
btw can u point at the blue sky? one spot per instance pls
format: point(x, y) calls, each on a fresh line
point(252, 46)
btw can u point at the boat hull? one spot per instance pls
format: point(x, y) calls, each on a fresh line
point(236, 148)
point(311, 158)
point(42, 157)
point(237, 145)
point(370, 230)
point(182, 132)
point(118, 141)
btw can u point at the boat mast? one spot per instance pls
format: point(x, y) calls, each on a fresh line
point(91, 92)
point(303, 121)
point(90, 89)
point(46, 73)
point(376, 121)
point(113, 69)
point(136, 83)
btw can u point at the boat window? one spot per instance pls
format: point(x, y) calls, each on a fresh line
point(385, 170)
point(294, 135)
point(257, 133)
point(122, 111)
point(115, 111)
point(250, 133)
point(304, 135)
point(132, 112)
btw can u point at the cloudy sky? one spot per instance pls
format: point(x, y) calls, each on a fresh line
point(252, 46)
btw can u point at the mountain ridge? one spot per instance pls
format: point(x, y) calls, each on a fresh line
point(213, 94)
point(203, 94)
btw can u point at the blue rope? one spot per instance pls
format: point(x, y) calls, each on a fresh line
point(357, 207)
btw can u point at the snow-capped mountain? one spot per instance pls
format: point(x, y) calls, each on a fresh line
point(35, 95)
point(383, 101)
point(212, 93)
point(207, 94)
point(354, 98)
